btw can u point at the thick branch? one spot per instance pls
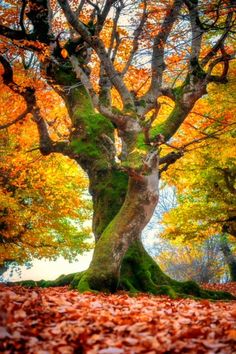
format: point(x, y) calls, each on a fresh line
point(22, 13)
point(196, 28)
point(99, 47)
point(85, 80)
point(169, 159)
point(28, 93)
point(12, 34)
point(102, 17)
point(225, 58)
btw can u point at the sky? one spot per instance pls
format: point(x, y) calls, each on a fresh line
point(50, 270)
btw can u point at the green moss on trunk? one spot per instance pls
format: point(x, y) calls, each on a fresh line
point(140, 273)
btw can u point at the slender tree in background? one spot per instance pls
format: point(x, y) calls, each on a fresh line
point(111, 80)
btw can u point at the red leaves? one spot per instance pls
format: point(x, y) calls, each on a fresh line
point(57, 320)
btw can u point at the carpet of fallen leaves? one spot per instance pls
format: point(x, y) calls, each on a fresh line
point(58, 320)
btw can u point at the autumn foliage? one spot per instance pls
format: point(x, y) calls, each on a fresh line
point(62, 321)
point(125, 98)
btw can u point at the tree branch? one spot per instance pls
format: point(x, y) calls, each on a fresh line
point(99, 47)
point(28, 93)
point(12, 34)
point(102, 17)
point(22, 13)
point(169, 159)
point(225, 58)
point(220, 42)
point(137, 34)
point(157, 64)
point(18, 119)
point(197, 31)
point(85, 80)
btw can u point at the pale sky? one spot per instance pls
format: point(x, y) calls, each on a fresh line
point(50, 270)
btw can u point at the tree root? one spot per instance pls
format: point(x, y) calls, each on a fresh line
point(139, 274)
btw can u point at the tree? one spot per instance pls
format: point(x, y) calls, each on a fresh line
point(205, 185)
point(95, 70)
point(35, 220)
point(201, 262)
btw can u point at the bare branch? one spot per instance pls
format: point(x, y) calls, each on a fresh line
point(80, 8)
point(114, 29)
point(12, 34)
point(100, 49)
point(103, 16)
point(158, 64)
point(197, 31)
point(18, 119)
point(95, 6)
point(22, 13)
point(85, 80)
point(137, 34)
point(225, 58)
point(169, 159)
point(220, 41)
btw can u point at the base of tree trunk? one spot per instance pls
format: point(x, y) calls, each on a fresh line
point(139, 274)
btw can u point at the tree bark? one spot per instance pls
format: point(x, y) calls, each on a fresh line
point(136, 211)
point(229, 257)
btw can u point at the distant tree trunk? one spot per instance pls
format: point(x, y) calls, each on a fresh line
point(3, 269)
point(229, 257)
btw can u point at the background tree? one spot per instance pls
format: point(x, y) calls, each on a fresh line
point(205, 182)
point(90, 65)
point(205, 179)
point(35, 219)
point(202, 262)
point(43, 200)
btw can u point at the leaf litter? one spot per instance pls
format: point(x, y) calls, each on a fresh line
point(59, 320)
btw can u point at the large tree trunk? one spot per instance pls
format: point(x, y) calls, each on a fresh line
point(120, 260)
point(122, 231)
point(121, 210)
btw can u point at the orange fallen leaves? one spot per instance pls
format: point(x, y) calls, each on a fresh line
point(58, 320)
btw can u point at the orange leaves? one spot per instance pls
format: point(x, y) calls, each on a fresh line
point(41, 199)
point(64, 53)
point(68, 322)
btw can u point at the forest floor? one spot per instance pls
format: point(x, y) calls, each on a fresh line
point(59, 320)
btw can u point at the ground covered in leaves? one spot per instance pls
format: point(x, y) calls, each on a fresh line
point(58, 320)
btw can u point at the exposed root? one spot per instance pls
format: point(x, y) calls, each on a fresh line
point(139, 273)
